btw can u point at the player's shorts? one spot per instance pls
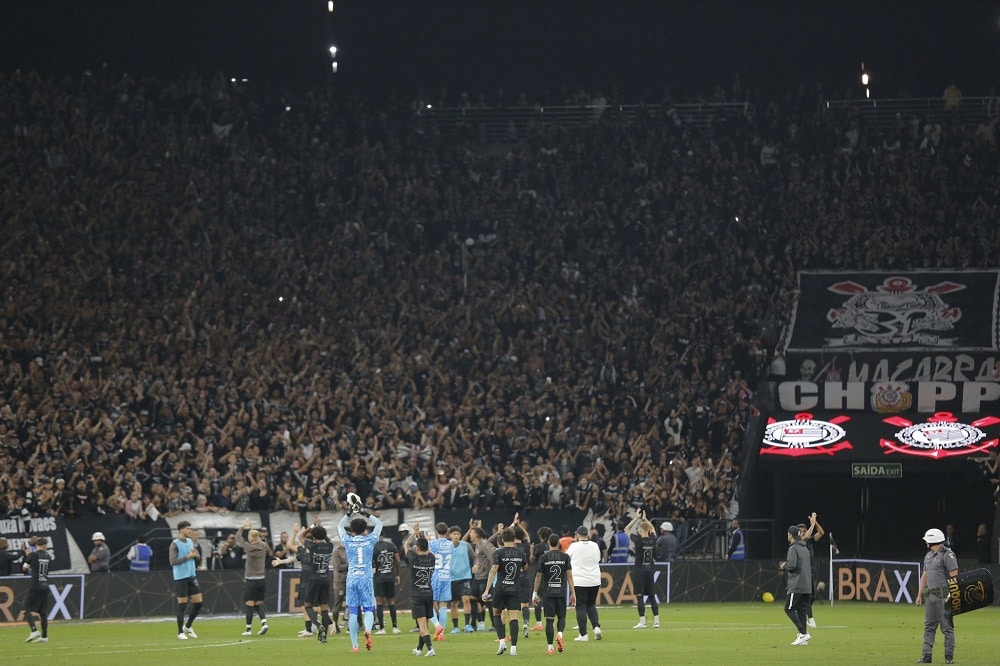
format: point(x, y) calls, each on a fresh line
point(303, 592)
point(253, 589)
point(478, 587)
point(37, 600)
point(318, 593)
point(524, 589)
point(186, 587)
point(385, 588)
point(360, 592)
point(461, 588)
point(442, 589)
point(643, 582)
point(554, 606)
point(422, 607)
point(506, 601)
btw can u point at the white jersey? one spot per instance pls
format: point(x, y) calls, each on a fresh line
point(586, 559)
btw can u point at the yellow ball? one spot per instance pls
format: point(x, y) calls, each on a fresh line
point(768, 597)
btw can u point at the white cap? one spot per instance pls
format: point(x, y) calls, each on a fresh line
point(667, 526)
point(934, 535)
point(403, 527)
point(99, 536)
point(186, 446)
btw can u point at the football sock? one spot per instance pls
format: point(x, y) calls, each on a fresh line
point(352, 625)
point(195, 609)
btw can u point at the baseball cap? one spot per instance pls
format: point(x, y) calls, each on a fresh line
point(403, 527)
point(582, 531)
point(667, 526)
point(793, 530)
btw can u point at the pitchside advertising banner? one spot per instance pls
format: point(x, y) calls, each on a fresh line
point(894, 342)
point(899, 582)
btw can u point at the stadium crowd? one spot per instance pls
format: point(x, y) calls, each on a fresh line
point(220, 298)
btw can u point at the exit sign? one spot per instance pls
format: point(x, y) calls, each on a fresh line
point(877, 470)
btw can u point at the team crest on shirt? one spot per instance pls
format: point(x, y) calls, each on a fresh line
point(805, 436)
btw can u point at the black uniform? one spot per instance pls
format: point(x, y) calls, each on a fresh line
point(645, 560)
point(421, 594)
point(510, 562)
point(553, 565)
point(319, 554)
point(384, 565)
point(38, 594)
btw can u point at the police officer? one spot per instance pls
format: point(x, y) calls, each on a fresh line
point(940, 564)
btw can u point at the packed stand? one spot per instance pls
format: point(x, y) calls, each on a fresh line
point(216, 299)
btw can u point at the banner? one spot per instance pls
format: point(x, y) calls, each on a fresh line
point(917, 311)
point(18, 532)
point(876, 580)
point(67, 597)
point(888, 397)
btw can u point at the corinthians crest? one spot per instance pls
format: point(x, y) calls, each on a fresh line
point(895, 313)
point(805, 436)
point(942, 436)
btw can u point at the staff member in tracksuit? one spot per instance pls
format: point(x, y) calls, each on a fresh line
point(940, 564)
point(798, 571)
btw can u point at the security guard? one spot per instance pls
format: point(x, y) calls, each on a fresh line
point(940, 564)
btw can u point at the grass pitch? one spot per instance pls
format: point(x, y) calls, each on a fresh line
point(721, 633)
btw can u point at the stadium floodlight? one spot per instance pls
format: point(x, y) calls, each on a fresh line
point(333, 66)
point(864, 79)
point(333, 51)
point(329, 6)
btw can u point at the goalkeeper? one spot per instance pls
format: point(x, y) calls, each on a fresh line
point(360, 546)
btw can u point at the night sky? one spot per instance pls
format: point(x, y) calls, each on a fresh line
point(909, 46)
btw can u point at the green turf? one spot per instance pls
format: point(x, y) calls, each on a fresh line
point(723, 633)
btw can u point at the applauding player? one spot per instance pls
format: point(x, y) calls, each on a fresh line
point(360, 546)
point(421, 562)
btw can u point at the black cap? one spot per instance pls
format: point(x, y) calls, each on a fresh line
point(793, 530)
